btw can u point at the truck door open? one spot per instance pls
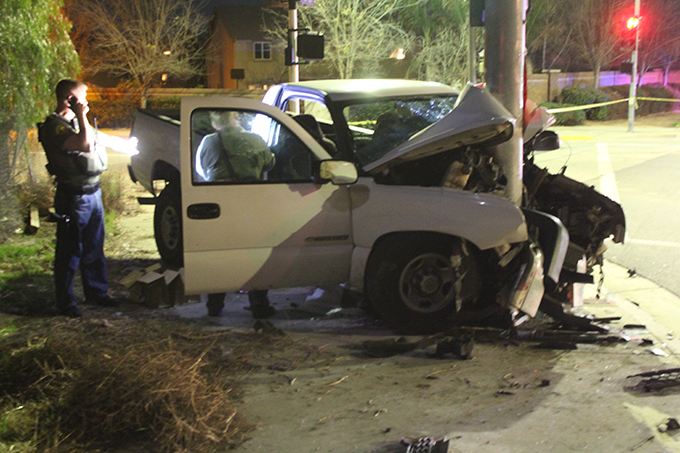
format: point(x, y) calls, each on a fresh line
point(253, 217)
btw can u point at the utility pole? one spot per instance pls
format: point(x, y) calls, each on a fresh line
point(632, 96)
point(505, 24)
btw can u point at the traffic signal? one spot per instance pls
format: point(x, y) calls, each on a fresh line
point(630, 31)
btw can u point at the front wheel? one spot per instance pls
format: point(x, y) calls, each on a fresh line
point(419, 282)
point(168, 227)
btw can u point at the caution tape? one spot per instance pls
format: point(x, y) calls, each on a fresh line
point(658, 99)
point(603, 104)
point(585, 107)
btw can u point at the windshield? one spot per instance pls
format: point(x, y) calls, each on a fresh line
point(378, 127)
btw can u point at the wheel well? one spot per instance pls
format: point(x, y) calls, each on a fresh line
point(409, 236)
point(165, 171)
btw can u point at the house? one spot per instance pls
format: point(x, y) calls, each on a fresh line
point(240, 55)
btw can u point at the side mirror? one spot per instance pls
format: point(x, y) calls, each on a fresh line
point(547, 141)
point(338, 172)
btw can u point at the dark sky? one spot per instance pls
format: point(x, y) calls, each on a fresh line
point(211, 4)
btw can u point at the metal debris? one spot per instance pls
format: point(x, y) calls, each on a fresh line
point(657, 380)
point(426, 445)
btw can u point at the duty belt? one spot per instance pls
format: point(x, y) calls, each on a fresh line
point(79, 190)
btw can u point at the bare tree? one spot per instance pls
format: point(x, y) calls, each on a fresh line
point(359, 34)
point(441, 44)
point(141, 39)
point(659, 44)
point(596, 32)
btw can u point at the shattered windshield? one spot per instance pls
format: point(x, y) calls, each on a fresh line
point(378, 127)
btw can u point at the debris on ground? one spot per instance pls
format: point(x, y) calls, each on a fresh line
point(670, 424)
point(426, 445)
point(656, 380)
point(460, 345)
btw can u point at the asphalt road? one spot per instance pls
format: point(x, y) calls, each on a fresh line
point(640, 170)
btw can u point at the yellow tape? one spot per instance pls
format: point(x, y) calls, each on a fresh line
point(658, 99)
point(585, 107)
point(602, 104)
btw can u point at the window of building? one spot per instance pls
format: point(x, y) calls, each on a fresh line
point(262, 50)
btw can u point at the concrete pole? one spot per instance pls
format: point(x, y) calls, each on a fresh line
point(504, 68)
point(632, 94)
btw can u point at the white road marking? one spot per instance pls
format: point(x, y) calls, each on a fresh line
point(656, 243)
point(607, 178)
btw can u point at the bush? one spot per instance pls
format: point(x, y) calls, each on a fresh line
point(584, 96)
point(567, 118)
point(620, 111)
point(117, 113)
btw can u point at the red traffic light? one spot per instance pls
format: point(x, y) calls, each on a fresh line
point(632, 22)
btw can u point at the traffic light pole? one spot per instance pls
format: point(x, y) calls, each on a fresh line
point(632, 96)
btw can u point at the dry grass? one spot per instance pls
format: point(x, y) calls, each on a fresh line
point(75, 385)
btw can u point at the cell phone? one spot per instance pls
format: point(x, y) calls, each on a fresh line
point(72, 101)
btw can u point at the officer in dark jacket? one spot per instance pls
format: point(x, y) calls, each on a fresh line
point(70, 144)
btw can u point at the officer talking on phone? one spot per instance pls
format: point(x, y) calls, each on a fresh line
point(76, 162)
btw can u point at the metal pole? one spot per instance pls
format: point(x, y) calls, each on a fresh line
point(632, 96)
point(504, 70)
point(293, 69)
point(472, 55)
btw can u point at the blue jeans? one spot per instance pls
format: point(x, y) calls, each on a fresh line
point(80, 242)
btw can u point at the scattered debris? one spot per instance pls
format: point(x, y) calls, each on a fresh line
point(460, 347)
point(426, 445)
point(659, 352)
point(504, 392)
point(342, 379)
point(657, 380)
point(544, 383)
point(649, 439)
point(670, 424)
point(632, 272)
point(266, 327)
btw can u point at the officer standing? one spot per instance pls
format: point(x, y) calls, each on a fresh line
point(73, 158)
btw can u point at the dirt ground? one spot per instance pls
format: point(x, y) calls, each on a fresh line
point(323, 393)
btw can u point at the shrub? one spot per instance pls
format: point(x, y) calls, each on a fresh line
point(585, 96)
point(116, 113)
point(567, 118)
point(620, 111)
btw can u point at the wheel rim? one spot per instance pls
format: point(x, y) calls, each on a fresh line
point(170, 227)
point(431, 281)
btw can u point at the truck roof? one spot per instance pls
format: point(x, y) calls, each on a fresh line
point(341, 90)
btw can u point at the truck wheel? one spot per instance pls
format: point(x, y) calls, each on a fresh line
point(167, 222)
point(418, 283)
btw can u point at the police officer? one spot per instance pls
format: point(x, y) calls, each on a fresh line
point(69, 142)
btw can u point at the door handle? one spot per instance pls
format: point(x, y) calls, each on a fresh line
point(201, 211)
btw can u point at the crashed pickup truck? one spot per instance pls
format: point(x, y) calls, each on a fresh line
point(387, 187)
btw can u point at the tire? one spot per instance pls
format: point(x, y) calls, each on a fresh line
point(167, 223)
point(418, 283)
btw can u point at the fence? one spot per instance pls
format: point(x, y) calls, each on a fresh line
point(548, 86)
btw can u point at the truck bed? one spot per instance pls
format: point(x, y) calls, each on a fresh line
point(158, 135)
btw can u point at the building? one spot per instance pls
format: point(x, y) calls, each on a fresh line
point(240, 55)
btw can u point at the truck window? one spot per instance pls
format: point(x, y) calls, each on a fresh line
point(377, 127)
point(243, 147)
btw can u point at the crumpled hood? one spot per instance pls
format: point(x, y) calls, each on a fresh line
point(477, 119)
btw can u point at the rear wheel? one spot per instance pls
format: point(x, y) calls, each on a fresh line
point(418, 283)
point(168, 226)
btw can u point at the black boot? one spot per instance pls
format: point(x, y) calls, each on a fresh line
point(259, 304)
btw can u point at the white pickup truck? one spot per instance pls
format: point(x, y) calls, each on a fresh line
point(387, 187)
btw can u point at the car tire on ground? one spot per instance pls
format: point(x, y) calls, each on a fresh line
point(418, 282)
point(167, 221)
